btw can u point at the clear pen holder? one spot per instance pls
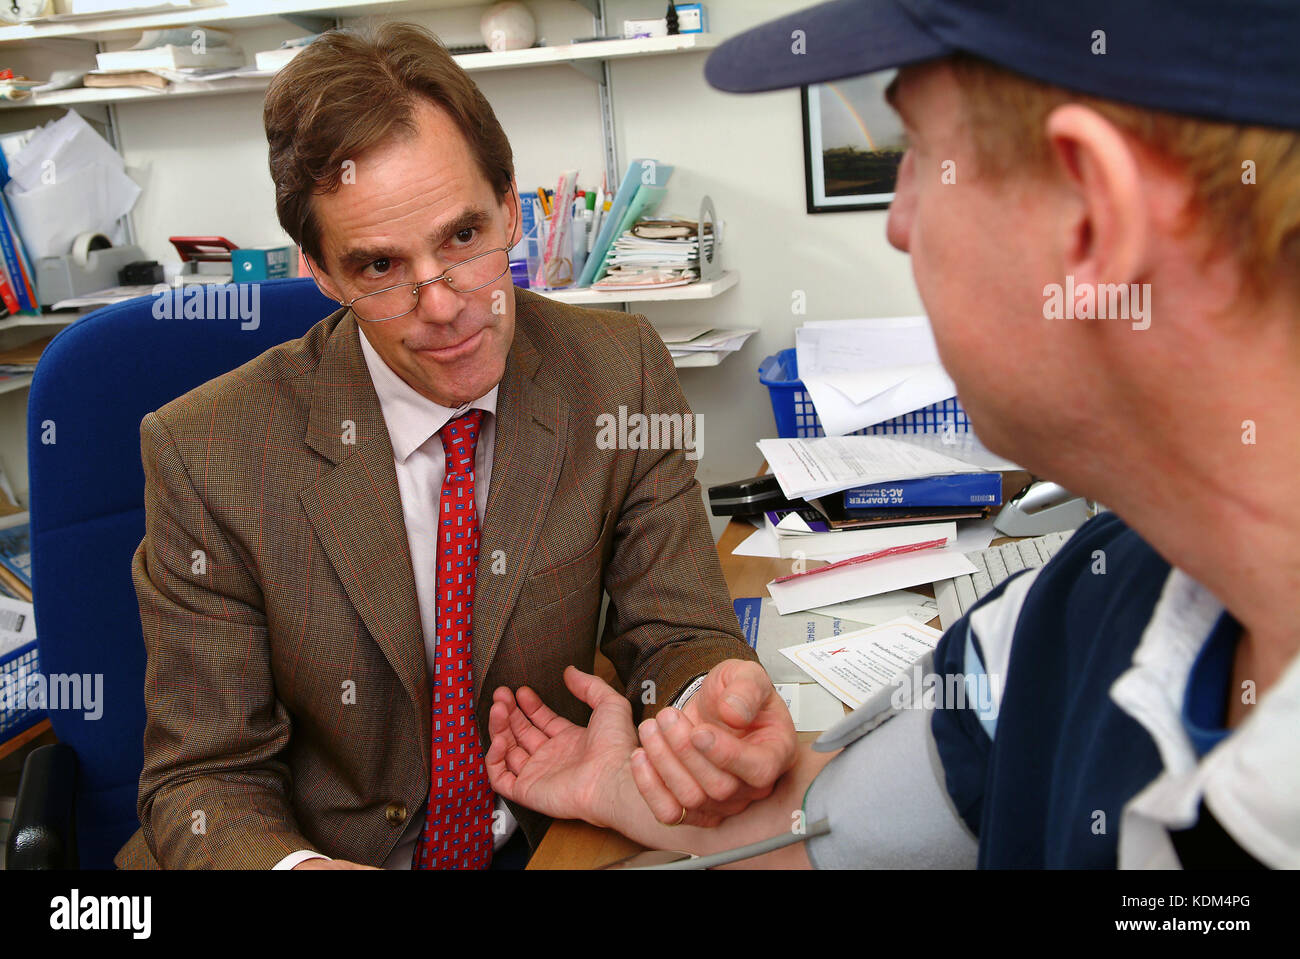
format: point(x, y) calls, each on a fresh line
point(559, 273)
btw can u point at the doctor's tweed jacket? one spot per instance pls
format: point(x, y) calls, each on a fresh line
point(286, 691)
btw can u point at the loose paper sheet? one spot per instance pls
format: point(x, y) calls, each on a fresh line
point(855, 666)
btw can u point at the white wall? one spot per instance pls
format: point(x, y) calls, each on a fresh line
point(204, 160)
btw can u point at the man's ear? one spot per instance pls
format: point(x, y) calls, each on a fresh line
point(1107, 229)
point(323, 282)
point(513, 214)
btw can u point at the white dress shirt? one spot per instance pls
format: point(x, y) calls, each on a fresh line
point(413, 423)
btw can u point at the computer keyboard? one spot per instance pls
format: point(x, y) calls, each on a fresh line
point(992, 566)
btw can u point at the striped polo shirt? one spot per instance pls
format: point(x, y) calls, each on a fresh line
point(1103, 743)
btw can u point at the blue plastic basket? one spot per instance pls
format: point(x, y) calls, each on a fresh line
point(15, 666)
point(795, 415)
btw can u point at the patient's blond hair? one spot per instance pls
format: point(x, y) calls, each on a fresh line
point(1260, 223)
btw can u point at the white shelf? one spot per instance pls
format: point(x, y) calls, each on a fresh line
point(236, 13)
point(582, 56)
point(19, 382)
point(677, 362)
point(692, 291)
point(596, 50)
point(77, 95)
point(62, 318)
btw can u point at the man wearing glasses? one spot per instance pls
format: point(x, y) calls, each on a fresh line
point(406, 509)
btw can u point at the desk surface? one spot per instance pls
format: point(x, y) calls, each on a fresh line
point(579, 845)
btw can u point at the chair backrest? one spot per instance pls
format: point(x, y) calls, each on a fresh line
point(95, 382)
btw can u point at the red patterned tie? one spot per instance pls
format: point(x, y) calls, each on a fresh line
point(457, 831)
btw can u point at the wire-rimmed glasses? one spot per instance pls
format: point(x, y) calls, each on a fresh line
point(466, 276)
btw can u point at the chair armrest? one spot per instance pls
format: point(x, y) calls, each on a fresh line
point(44, 829)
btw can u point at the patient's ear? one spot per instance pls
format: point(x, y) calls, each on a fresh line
point(1105, 230)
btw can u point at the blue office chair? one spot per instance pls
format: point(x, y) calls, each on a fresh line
point(95, 381)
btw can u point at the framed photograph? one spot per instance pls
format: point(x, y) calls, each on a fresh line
point(853, 143)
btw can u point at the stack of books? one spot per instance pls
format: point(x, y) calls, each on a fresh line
point(164, 56)
point(17, 278)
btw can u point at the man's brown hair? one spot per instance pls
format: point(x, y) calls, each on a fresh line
point(1259, 219)
point(352, 90)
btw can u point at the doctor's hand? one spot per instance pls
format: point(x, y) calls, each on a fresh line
point(723, 750)
point(545, 762)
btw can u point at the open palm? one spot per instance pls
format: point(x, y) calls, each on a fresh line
point(544, 762)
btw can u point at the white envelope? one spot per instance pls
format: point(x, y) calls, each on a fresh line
point(868, 579)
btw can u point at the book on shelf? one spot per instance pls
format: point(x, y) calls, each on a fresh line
point(16, 267)
point(170, 56)
point(126, 78)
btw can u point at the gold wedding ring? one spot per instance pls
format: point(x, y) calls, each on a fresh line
point(682, 819)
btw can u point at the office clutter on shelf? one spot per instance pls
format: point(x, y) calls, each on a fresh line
point(174, 59)
point(694, 345)
point(657, 252)
point(508, 26)
point(15, 86)
point(679, 18)
point(202, 259)
point(577, 238)
point(175, 49)
point(65, 190)
point(18, 360)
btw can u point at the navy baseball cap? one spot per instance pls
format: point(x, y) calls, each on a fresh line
point(1231, 60)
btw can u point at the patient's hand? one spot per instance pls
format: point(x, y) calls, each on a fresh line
point(724, 750)
point(545, 762)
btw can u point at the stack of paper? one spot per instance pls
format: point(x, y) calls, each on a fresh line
point(863, 372)
point(818, 466)
point(656, 252)
point(917, 555)
point(90, 195)
point(702, 345)
point(173, 49)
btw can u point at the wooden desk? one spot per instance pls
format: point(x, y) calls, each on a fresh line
point(579, 845)
point(28, 735)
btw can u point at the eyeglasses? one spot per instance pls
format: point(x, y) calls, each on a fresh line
point(464, 277)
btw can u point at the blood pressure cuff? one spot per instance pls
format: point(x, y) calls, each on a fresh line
point(884, 794)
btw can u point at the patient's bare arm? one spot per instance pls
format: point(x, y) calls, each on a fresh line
point(567, 771)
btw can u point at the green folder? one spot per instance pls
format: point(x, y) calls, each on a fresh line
point(645, 202)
